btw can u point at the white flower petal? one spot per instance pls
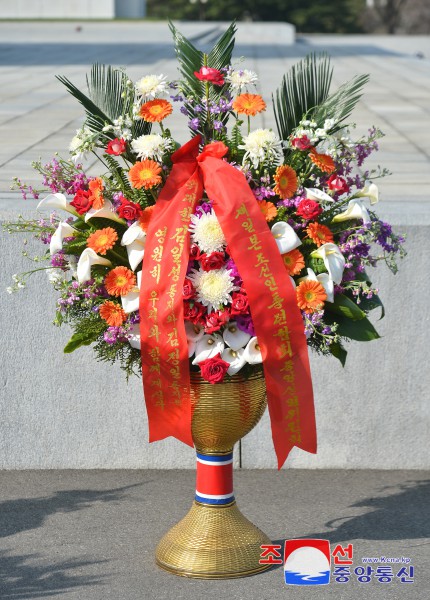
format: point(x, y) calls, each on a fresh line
point(134, 336)
point(130, 302)
point(87, 259)
point(285, 237)
point(134, 240)
point(334, 260)
point(369, 191)
point(207, 347)
point(234, 337)
point(235, 359)
point(107, 211)
point(57, 201)
point(355, 210)
point(252, 353)
point(63, 230)
point(193, 332)
point(316, 194)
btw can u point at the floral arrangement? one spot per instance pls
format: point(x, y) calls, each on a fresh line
point(307, 179)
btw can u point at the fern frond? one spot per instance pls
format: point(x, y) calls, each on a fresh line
point(340, 105)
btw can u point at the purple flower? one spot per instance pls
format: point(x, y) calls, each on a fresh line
point(59, 261)
point(218, 125)
point(244, 323)
point(194, 124)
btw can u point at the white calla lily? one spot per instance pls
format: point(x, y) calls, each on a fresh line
point(63, 230)
point(334, 261)
point(355, 210)
point(57, 201)
point(134, 240)
point(193, 331)
point(234, 337)
point(207, 347)
point(235, 360)
point(130, 302)
point(107, 211)
point(285, 237)
point(133, 336)
point(369, 191)
point(87, 259)
point(316, 194)
point(252, 352)
point(325, 281)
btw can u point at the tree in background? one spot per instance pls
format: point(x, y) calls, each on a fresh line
point(309, 16)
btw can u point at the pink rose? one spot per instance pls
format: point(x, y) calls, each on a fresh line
point(116, 147)
point(337, 183)
point(301, 143)
point(212, 261)
point(214, 369)
point(309, 209)
point(212, 75)
point(215, 320)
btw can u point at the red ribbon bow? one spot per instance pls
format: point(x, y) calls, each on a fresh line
point(277, 320)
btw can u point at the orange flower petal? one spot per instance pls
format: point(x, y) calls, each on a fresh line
point(286, 181)
point(249, 104)
point(310, 295)
point(102, 240)
point(320, 234)
point(294, 261)
point(268, 209)
point(112, 313)
point(156, 110)
point(145, 174)
point(120, 281)
point(323, 161)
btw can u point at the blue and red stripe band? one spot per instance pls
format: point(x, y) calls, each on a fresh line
point(214, 480)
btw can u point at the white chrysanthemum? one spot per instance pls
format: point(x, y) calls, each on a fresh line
point(151, 86)
point(206, 232)
point(241, 78)
point(262, 145)
point(151, 146)
point(213, 288)
point(81, 143)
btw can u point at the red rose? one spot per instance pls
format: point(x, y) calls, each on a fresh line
point(81, 202)
point(309, 209)
point(239, 303)
point(116, 147)
point(212, 75)
point(337, 183)
point(195, 253)
point(188, 291)
point(301, 143)
point(214, 369)
point(212, 261)
point(215, 320)
point(193, 311)
point(129, 210)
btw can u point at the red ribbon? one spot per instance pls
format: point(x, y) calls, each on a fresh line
point(277, 320)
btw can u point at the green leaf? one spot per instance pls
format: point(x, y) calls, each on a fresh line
point(361, 331)
point(343, 305)
point(372, 303)
point(339, 352)
point(304, 87)
point(79, 339)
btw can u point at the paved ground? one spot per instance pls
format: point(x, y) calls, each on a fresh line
point(37, 116)
point(90, 535)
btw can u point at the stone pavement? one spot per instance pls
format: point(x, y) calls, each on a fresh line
point(38, 117)
point(91, 535)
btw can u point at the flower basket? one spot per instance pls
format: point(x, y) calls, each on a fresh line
point(209, 268)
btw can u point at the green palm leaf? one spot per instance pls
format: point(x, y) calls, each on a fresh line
point(340, 105)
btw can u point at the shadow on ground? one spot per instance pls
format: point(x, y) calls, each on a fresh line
point(19, 580)
point(28, 513)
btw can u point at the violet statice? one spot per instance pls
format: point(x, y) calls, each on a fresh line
point(113, 335)
point(194, 124)
point(59, 260)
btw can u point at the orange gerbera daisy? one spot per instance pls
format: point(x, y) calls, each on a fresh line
point(145, 173)
point(310, 295)
point(324, 162)
point(102, 240)
point(156, 110)
point(293, 261)
point(112, 313)
point(120, 281)
point(286, 181)
point(320, 234)
point(145, 217)
point(96, 192)
point(268, 209)
point(249, 104)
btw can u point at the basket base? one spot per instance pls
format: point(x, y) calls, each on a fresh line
point(212, 542)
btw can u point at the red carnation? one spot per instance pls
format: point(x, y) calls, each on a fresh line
point(81, 202)
point(309, 209)
point(214, 369)
point(212, 261)
point(301, 143)
point(193, 311)
point(239, 303)
point(338, 184)
point(116, 147)
point(188, 291)
point(212, 75)
point(215, 320)
point(129, 210)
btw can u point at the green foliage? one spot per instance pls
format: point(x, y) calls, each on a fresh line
point(304, 87)
point(343, 305)
point(337, 350)
point(361, 331)
point(87, 331)
point(235, 141)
